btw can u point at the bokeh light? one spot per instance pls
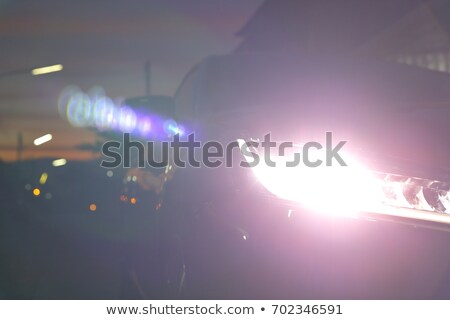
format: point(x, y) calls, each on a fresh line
point(97, 110)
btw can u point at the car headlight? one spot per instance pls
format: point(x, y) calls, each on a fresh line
point(349, 190)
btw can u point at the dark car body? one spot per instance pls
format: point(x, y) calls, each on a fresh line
point(243, 242)
point(218, 233)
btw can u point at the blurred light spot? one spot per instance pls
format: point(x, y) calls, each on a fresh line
point(158, 206)
point(134, 178)
point(104, 113)
point(79, 110)
point(133, 200)
point(92, 207)
point(48, 196)
point(59, 162)
point(28, 186)
point(48, 69)
point(144, 126)
point(109, 173)
point(43, 178)
point(64, 99)
point(36, 192)
point(43, 139)
point(289, 213)
point(128, 178)
point(171, 127)
point(123, 198)
point(127, 120)
point(244, 237)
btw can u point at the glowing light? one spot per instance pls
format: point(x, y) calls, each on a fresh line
point(133, 200)
point(127, 119)
point(244, 237)
point(445, 200)
point(64, 98)
point(289, 213)
point(79, 110)
point(353, 189)
point(144, 126)
point(43, 139)
point(97, 110)
point(43, 178)
point(93, 207)
point(48, 69)
point(171, 127)
point(104, 113)
point(337, 190)
point(36, 192)
point(59, 162)
point(109, 173)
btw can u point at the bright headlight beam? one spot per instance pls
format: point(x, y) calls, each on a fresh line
point(354, 189)
point(59, 162)
point(43, 139)
point(47, 69)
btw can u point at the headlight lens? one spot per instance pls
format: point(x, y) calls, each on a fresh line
point(352, 189)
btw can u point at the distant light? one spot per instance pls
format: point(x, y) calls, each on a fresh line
point(133, 200)
point(43, 178)
point(59, 162)
point(171, 127)
point(48, 69)
point(43, 139)
point(145, 126)
point(36, 192)
point(134, 178)
point(109, 173)
point(244, 237)
point(127, 119)
point(92, 207)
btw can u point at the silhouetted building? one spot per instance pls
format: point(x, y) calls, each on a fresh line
point(415, 32)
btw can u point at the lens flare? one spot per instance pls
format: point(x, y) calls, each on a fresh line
point(171, 127)
point(79, 110)
point(127, 119)
point(95, 109)
point(144, 126)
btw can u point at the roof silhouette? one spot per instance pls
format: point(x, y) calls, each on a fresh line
point(348, 26)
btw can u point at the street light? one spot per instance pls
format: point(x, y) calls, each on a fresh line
point(33, 71)
point(43, 139)
point(48, 69)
